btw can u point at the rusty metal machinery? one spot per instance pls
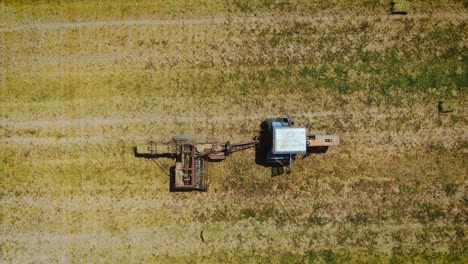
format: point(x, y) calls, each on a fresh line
point(277, 146)
point(188, 173)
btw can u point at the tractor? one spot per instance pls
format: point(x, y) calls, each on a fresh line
point(276, 146)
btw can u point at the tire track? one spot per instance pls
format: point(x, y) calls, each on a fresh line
point(18, 124)
point(381, 139)
point(209, 119)
point(447, 136)
point(323, 20)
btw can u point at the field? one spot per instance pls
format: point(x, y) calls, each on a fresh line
point(82, 82)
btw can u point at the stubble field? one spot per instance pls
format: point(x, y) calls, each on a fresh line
point(82, 82)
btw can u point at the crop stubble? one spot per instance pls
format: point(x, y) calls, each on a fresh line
point(75, 98)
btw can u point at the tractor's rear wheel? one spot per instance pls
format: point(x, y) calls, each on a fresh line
point(400, 7)
point(182, 138)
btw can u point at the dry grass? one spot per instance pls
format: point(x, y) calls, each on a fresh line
point(75, 99)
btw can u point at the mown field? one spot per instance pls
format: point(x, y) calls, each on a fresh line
point(81, 82)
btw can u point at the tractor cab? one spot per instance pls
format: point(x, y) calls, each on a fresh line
point(280, 141)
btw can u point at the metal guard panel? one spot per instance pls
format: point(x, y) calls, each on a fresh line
point(289, 140)
point(142, 149)
point(323, 141)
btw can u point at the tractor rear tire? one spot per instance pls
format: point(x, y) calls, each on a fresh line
point(400, 7)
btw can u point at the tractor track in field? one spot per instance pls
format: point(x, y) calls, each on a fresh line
point(149, 238)
point(381, 140)
point(164, 118)
point(371, 135)
point(319, 20)
point(11, 124)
